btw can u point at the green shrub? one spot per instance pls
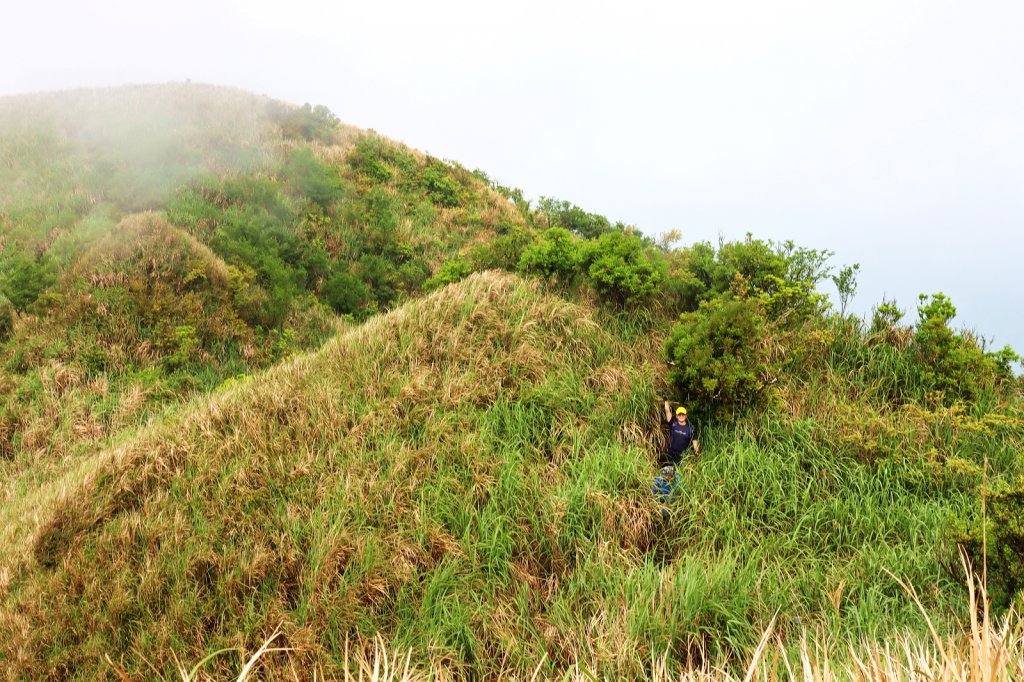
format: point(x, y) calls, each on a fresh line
point(180, 346)
point(1005, 539)
point(1003, 361)
point(720, 354)
point(501, 253)
point(442, 189)
point(312, 177)
point(620, 268)
point(377, 160)
point(554, 255)
point(783, 275)
point(449, 273)
point(6, 319)
point(381, 275)
point(26, 280)
point(885, 317)
point(346, 294)
point(954, 364)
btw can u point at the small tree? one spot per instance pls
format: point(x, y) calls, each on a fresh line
point(953, 364)
point(620, 268)
point(846, 285)
point(554, 255)
point(720, 353)
point(573, 218)
point(26, 280)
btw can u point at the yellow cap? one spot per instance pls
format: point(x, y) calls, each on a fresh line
point(680, 410)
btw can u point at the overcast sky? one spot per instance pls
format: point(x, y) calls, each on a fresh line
point(889, 132)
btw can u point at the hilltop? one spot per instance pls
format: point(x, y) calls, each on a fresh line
point(273, 372)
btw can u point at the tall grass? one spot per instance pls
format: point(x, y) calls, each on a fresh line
point(983, 649)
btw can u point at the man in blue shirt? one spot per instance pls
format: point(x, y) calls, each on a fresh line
point(681, 434)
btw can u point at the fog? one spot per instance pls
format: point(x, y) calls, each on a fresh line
point(889, 132)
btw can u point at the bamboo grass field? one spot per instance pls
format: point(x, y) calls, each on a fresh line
point(317, 406)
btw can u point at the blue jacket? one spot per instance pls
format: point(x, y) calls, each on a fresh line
point(665, 490)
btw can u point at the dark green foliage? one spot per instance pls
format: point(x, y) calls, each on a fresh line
point(313, 178)
point(621, 269)
point(720, 354)
point(503, 252)
point(449, 273)
point(6, 318)
point(347, 294)
point(375, 159)
point(381, 275)
point(26, 279)
point(274, 253)
point(554, 255)
point(1005, 539)
point(784, 276)
point(759, 264)
point(441, 187)
point(573, 218)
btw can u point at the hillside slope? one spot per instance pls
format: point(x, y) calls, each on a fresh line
point(469, 476)
point(107, 314)
point(243, 408)
point(432, 474)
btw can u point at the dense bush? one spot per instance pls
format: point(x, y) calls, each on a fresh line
point(620, 268)
point(449, 273)
point(312, 178)
point(503, 252)
point(346, 294)
point(6, 318)
point(953, 364)
point(441, 187)
point(719, 354)
point(272, 251)
point(784, 276)
point(26, 279)
point(554, 255)
point(1005, 543)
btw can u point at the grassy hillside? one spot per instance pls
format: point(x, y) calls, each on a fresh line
point(272, 219)
point(469, 476)
point(266, 372)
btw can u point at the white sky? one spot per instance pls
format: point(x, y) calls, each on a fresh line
point(891, 132)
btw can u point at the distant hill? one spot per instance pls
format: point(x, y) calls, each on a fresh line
point(263, 371)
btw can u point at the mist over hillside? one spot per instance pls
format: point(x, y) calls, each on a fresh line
point(261, 371)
